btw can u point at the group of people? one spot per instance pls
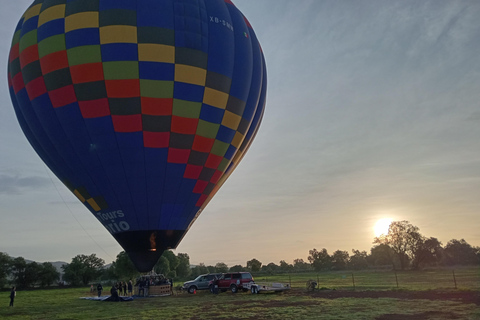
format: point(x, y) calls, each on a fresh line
point(118, 289)
point(145, 282)
point(124, 288)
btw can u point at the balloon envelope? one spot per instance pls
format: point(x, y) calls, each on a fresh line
point(142, 108)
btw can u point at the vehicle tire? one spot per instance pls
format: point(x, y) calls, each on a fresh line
point(192, 289)
point(234, 288)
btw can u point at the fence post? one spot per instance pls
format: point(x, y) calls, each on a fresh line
point(454, 279)
point(353, 280)
point(318, 281)
point(396, 278)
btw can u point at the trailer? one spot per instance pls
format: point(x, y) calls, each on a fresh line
point(266, 287)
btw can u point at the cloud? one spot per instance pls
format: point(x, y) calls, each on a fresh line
point(15, 184)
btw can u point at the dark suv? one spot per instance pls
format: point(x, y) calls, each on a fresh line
point(201, 282)
point(233, 281)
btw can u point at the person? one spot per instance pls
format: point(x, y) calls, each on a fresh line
point(124, 288)
point(141, 284)
point(99, 289)
point(130, 288)
point(114, 293)
point(145, 288)
point(13, 293)
point(120, 288)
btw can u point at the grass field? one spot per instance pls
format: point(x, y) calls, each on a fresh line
point(462, 278)
point(368, 301)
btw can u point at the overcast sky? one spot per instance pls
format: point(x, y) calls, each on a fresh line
point(372, 112)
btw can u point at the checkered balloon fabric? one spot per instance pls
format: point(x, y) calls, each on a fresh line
point(142, 108)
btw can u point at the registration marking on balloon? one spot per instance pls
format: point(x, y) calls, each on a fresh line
point(221, 21)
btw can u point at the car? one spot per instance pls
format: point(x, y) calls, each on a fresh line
point(233, 281)
point(202, 282)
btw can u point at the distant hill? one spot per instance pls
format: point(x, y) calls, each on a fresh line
point(58, 265)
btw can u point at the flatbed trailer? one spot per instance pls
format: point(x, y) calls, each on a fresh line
point(266, 287)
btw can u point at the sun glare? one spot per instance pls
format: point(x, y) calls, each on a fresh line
point(381, 227)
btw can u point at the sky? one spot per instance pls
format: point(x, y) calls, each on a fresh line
point(372, 112)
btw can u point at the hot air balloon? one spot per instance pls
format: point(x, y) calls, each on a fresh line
point(142, 108)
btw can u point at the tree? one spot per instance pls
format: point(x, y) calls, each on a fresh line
point(254, 265)
point(5, 267)
point(124, 267)
point(31, 275)
point(358, 260)
point(109, 273)
point(200, 269)
point(236, 268)
point(404, 239)
point(285, 267)
point(381, 255)
point(173, 260)
point(18, 272)
point(48, 274)
point(83, 269)
point(300, 265)
point(320, 260)
point(340, 260)
point(27, 275)
point(162, 266)
point(459, 252)
point(211, 269)
point(270, 268)
point(429, 252)
point(221, 267)
point(183, 268)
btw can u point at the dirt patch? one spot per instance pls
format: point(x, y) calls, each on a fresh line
point(460, 296)
point(418, 316)
point(274, 303)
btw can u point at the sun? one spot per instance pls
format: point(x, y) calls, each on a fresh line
point(381, 227)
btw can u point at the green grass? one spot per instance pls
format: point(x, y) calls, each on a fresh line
point(295, 304)
point(65, 304)
point(466, 279)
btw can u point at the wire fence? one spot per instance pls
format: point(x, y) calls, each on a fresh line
point(460, 278)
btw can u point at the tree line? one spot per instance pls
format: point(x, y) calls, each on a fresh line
point(25, 274)
point(403, 247)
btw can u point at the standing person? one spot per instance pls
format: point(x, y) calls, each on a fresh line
point(141, 285)
point(13, 293)
point(120, 288)
point(130, 288)
point(114, 293)
point(99, 289)
point(125, 288)
point(145, 288)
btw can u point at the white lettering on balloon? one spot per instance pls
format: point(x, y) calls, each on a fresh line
point(111, 222)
